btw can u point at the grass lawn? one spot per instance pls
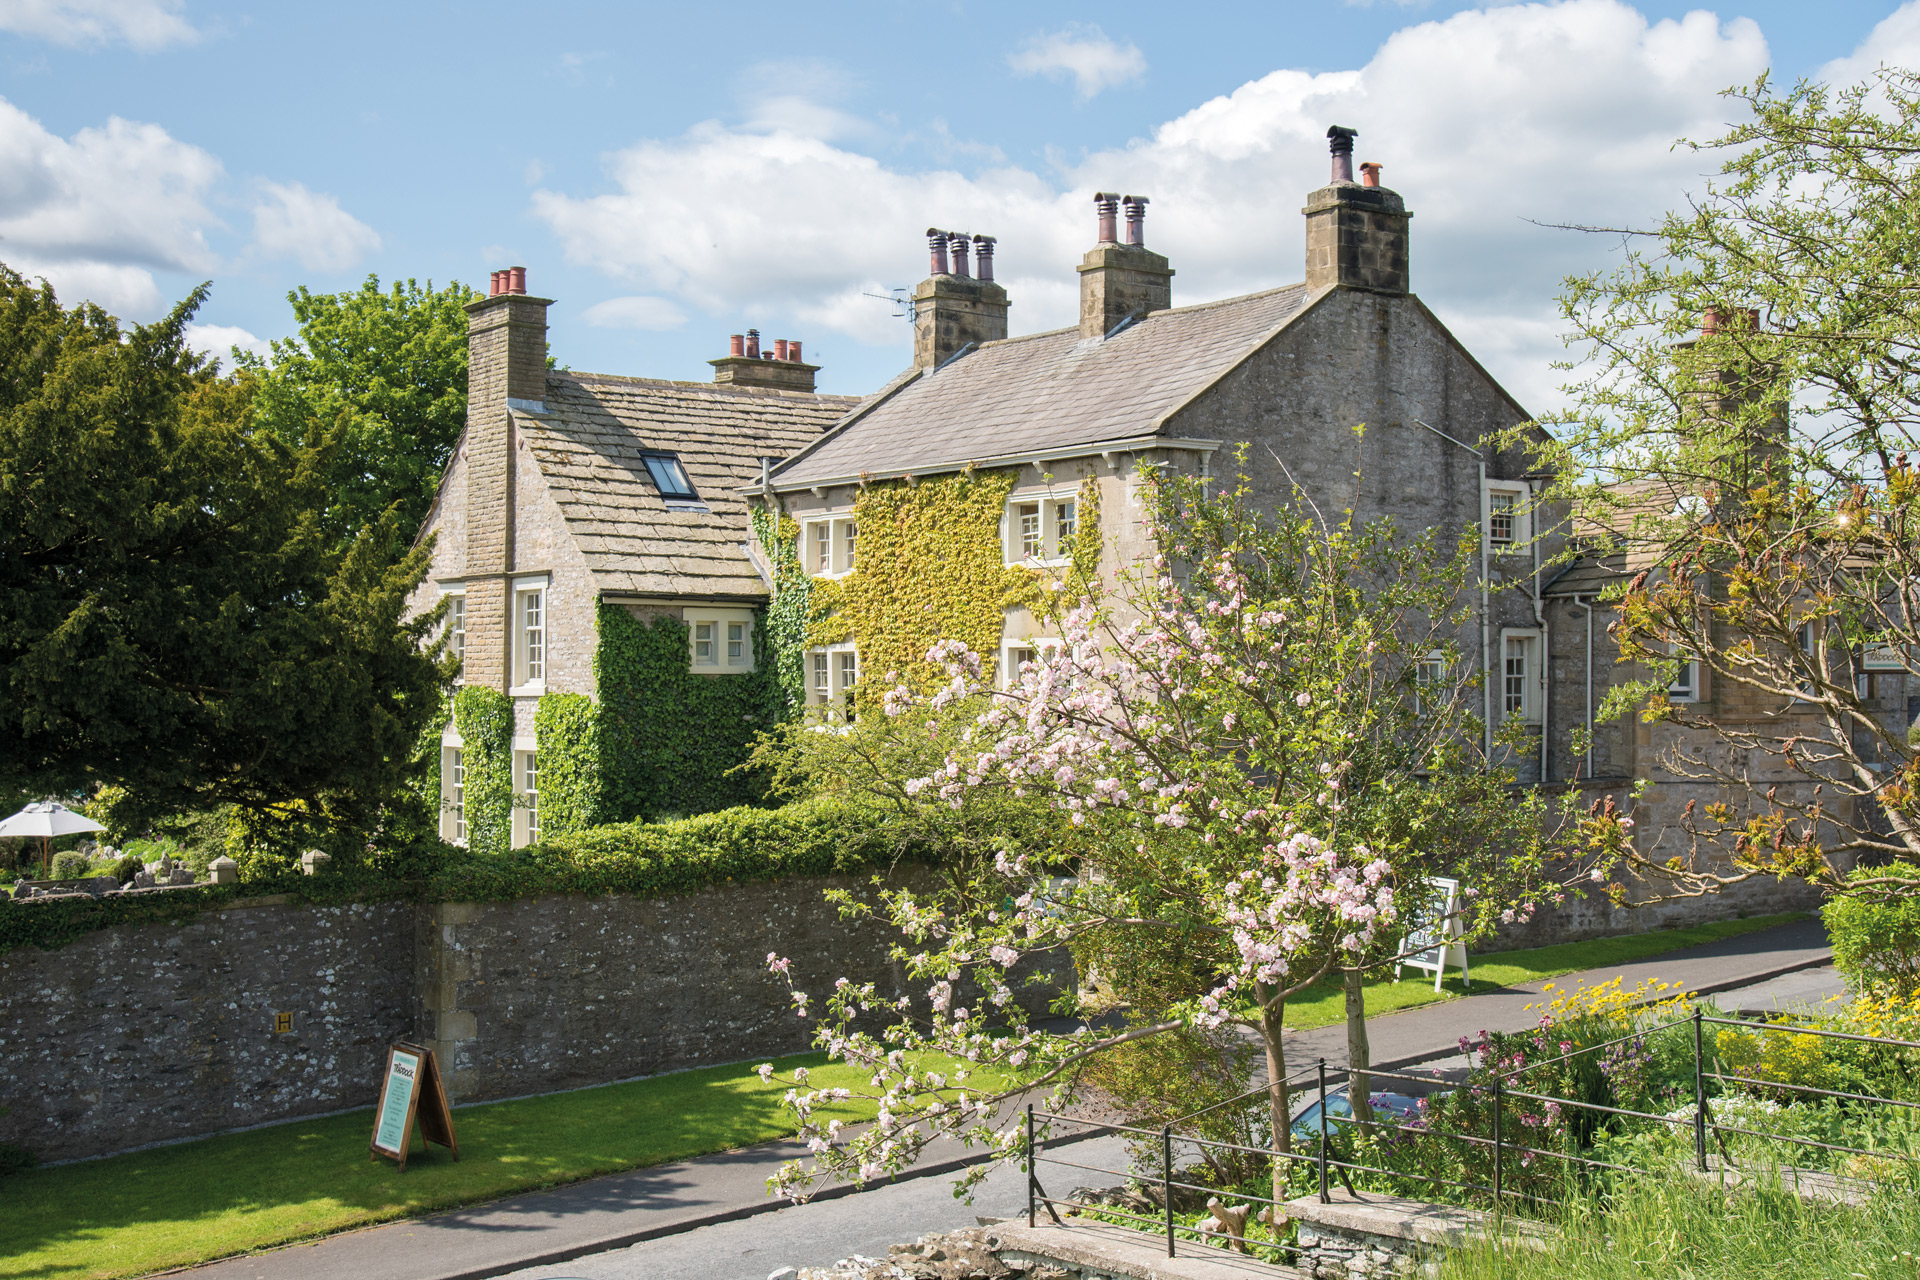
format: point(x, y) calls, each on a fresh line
point(1325, 1004)
point(176, 1205)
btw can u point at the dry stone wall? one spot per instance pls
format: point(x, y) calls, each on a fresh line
point(157, 1032)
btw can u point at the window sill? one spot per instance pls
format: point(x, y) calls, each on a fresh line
point(535, 689)
point(833, 577)
point(722, 671)
point(1058, 562)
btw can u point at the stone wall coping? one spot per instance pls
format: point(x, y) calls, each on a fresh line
point(1098, 1249)
point(1398, 1218)
point(264, 900)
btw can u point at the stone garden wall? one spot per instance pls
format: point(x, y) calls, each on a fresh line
point(145, 1033)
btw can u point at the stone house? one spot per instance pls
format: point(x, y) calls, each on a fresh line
point(594, 551)
point(1038, 442)
point(1062, 422)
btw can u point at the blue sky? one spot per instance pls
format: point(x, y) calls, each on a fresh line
point(672, 174)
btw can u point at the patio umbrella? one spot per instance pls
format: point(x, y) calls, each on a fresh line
point(47, 819)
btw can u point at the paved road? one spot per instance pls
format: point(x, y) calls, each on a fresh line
point(821, 1233)
point(713, 1194)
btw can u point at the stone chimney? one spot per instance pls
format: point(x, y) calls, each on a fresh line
point(1356, 231)
point(1121, 281)
point(746, 365)
point(953, 307)
point(506, 371)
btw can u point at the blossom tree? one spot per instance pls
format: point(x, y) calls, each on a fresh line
point(1258, 749)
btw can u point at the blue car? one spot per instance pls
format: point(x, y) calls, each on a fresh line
point(1395, 1108)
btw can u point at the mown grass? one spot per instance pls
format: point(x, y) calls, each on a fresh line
point(1683, 1228)
point(173, 1206)
point(1325, 1004)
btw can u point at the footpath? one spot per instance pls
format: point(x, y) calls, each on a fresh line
point(546, 1227)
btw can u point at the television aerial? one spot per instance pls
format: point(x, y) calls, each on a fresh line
point(900, 296)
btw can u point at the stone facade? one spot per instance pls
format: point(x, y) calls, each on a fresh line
point(151, 1033)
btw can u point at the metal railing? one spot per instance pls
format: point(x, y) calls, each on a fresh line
point(1327, 1163)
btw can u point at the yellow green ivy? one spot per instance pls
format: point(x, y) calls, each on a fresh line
point(932, 567)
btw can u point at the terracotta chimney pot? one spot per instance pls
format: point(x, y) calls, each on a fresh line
point(1369, 173)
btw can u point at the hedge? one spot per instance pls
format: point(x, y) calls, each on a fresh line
point(815, 837)
point(1876, 943)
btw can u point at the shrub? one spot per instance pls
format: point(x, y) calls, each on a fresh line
point(15, 1159)
point(126, 867)
point(1876, 943)
point(70, 865)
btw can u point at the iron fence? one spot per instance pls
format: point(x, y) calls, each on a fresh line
point(1328, 1164)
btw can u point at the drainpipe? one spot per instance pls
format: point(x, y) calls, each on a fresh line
point(1486, 640)
point(1546, 638)
point(1589, 608)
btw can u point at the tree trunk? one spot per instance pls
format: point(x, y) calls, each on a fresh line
point(1359, 1052)
point(1279, 1112)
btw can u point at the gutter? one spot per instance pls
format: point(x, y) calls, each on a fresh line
point(1104, 448)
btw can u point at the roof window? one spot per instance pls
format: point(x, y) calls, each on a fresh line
point(670, 478)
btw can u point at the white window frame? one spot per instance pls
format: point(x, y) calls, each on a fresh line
point(526, 820)
point(1008, 671)
point(453, 814)
point(1521, 518)
point(1530, 700)
point(1431, 669)
point(719, 659)
point(454, 628)
point(842, 543)
point(529, 682)
point(1046, 505)
point(831, 703)
point(1686, 682)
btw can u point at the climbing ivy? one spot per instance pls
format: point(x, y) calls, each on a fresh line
point(484, 719)
point(567, 728)
point(789, 605)
point(932, 566)
point(669, 740)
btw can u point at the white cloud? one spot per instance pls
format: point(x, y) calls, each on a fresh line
point(1894, 40)
point(1084, 53)
point(144, 24)
point(635, 313)
point(97, 213)
point(220, 339)
point(1551, 112)
point(292, 222)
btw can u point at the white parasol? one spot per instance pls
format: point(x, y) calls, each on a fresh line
point(47, 819)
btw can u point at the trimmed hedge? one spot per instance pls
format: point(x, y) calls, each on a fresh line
point(812, 838)
point(1876, 944)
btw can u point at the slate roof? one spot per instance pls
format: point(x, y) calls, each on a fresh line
point(1588, 575)
point(589, 444)
point(1047, 391)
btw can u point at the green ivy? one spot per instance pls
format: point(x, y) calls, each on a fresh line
point(567, 728)
point(788, 607)
point(484, 719)
point(669, 740)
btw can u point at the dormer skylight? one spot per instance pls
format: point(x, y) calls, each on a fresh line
point(670, 478)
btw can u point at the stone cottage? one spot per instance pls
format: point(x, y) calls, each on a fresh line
point(1061, 423)
point(1026, 452)
point(596, 558)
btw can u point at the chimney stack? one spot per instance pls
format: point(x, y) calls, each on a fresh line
point(1356, 234)
point(1121, 281)
point(745, 365)
point(952, 309)
point(506, 375)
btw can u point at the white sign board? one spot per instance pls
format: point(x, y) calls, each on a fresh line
point(1433, 934)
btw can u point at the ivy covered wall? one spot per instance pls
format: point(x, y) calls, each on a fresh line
point(566, 727)
point(789, 606)
point(932, 566)
point(484, 720)
point(668, 740)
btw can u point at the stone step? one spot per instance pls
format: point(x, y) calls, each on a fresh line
point(1093, 1249)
